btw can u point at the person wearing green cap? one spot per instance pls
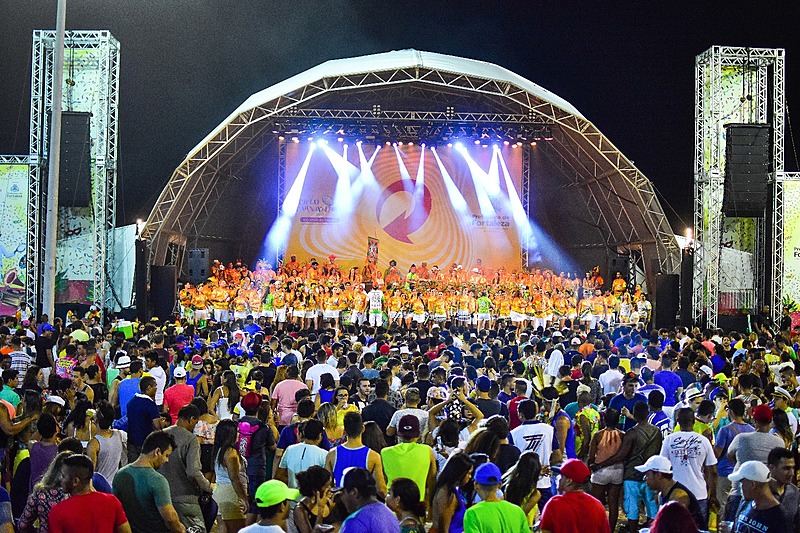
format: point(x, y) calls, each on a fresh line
point(272, 499)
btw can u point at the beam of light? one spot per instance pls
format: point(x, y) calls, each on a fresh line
point(343, 198)
point(479, 180)
point(404, 174)
point(278, 234)
point(366, 179)
point(456, 198)
point(419, 189)
point(292, 200)
point(517, 209)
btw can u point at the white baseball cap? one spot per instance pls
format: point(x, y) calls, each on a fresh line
point(752, 470)
point(179, 372)
point(575, 341)
point(656, 463)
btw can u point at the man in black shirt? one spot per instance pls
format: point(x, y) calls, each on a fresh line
point(267, 369)
point(484, 402)
point(759, 511)
point(44, 351)
point(380, 410)
point(423, 383)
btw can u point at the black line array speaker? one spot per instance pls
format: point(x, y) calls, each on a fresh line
point(618, 263)
point(163, 290)
point(75, 182)
point(748, 158)
point(198, 266)
point(140, 281)
point(667, 299)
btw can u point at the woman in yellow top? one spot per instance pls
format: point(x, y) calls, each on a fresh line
point(395, 307)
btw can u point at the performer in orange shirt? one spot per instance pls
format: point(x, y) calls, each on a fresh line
point(619, 285)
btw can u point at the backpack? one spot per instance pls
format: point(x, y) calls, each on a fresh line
point(245, 443)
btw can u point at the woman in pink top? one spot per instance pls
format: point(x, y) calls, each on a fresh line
point(284, 393)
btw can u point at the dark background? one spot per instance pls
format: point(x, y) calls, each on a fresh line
point(185, 65)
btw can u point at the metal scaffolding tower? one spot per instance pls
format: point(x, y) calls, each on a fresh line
point(732, 85)
point(98, 52)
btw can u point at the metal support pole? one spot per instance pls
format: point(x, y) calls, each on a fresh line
point(51, 225)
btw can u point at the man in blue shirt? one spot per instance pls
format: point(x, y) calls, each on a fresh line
point(625, 401)
point(668, 380)
point(143, 416)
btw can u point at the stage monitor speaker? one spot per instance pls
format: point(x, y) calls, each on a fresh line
point(75, 182)
point(748, 156)
point(667, 298)
point(198, 265)
point(163, 290)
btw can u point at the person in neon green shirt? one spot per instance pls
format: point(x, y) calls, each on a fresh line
point(410, 459)
point(493, 515)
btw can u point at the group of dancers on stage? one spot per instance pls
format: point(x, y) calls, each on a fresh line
point(306, 294)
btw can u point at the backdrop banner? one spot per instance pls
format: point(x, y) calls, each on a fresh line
point(13, 233)
point(444, 206)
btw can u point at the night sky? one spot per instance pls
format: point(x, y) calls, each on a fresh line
point(627, 66)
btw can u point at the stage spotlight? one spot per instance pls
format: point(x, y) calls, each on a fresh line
point(280, 137)
point(423, 145)
point(388, 143)
point(459, 146)
point(412, 144)
point(311, 138)
point(295, 140)
point(340, 139)
point(506, 143)
point(400, 143)
point(477, 141)
point(533, 143)
point(449, 145)
point(358, 143)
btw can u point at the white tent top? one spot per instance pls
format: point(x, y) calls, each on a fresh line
point(398, 59)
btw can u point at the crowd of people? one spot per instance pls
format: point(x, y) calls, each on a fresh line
point(447, 424)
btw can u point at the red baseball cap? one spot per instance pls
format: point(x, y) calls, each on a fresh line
point(762, 413)
point(576, 470)
point(384, 349)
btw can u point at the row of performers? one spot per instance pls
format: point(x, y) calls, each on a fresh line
point(332, 273)
point(308, 304)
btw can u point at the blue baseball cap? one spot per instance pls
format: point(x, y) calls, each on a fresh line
point(488, 474)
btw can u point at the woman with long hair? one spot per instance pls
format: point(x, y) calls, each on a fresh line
point(782, 428)
point(106, 447)
point(341, 399)
point(230, 491)
point(33, 376)
point(673, 517)
point(46, 494)
point(327, 415)
point(79, 423)
point(607, 481)
point(403, 499)
point(372, 437)
point(448, 502)
point(314, 485)
point(205, 430)
point(226, 396)
point(519, 484)
point(327, 388)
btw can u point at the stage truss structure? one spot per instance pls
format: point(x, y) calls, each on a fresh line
point(435, 90)
point(759, 72)
point(103, 152)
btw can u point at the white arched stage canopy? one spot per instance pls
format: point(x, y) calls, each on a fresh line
point(589, 198)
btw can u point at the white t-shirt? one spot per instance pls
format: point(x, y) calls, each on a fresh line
point(315, 373)
point(161, 382)
point(421, 415)
point(375, 298)
point(689, 452)
point(555, 362)
point(610, 380)
point(256, 528)
point(299, 458)
point(536, 437)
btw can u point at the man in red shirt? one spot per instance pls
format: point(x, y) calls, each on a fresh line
point(179, 395)
point(86, 510)
point(573, 510)
point(520, 388)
